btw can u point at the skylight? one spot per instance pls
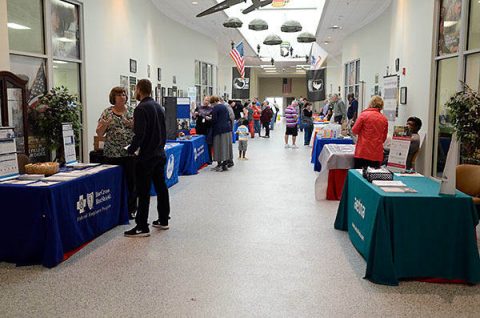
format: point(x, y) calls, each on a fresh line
point(307, 12)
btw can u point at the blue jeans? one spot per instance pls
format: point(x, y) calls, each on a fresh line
point(272, 122)
point(256, 126)
point(308, 134)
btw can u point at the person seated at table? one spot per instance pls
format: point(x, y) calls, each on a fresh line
point(413, 124)
point(116, 124)
point(371, 129)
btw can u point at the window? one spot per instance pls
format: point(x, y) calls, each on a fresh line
point(449, 28)
point(66, 74)
point(204, 79)
point(474, 29)
point(472, 73)
point(39, 60)
point(352, 77)
point(65, 30)
point(446, 87)
point(25, 26)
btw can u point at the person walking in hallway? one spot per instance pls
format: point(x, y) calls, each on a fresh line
point(291, 118)
point(150, 137)
point(266, 117)
point(307, 123)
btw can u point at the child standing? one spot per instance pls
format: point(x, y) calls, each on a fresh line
point(242, 132)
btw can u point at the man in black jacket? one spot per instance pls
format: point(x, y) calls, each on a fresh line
point(150, 136)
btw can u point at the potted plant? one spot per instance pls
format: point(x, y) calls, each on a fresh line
point(464, 110)
point(46, 117)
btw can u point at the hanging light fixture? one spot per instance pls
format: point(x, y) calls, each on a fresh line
point(233, 23)
point(258, 25)
point(272, 39)
point(291, 26)
point(306, 37)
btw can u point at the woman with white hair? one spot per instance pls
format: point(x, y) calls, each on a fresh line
point(371, 128)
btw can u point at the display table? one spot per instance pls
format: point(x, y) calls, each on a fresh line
point(194, 155)
point(410, 235)
point(173, 153)
point(41, 224)
point(320, 143)
point(335, 160)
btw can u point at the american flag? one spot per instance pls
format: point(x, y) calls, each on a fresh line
point(39, 86)
point(287, 86)
point(237, 56)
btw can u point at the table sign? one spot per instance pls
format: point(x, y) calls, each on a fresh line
point(8, 154)
point(69, 143)
point(399, 147)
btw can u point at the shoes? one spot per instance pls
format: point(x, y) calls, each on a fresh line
point(137, 232)
point(224, 168)
point(217, 168)
point(294, 146)
point(230, 164)
point(267, 136)
point(160, 226)
point(287, 146)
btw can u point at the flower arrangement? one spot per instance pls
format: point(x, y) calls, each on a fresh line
point(47, 115)
point(464, 109)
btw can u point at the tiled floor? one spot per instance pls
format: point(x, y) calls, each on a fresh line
point(250, 242)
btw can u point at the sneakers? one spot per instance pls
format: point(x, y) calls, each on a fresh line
point(294, 146)
point(160, 226)
point(287, 146)
point(137, 232)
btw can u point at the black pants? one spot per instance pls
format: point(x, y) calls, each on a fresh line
point(267, 129)
point(360, 163)
point(338, 119)
point(145, 176)
point(128, 165)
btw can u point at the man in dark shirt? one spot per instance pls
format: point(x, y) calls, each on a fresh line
point(149, 139)
point(352, 111)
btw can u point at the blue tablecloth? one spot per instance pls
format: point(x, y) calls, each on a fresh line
point(194, 154)
point(318, 146)
point(410, 235)
point(173, 152)
point(40, 224)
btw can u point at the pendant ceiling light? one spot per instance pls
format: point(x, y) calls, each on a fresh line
point(306, 37)
point(272, 39)
point(291, 26)
point(258, 25)
point(233, 23)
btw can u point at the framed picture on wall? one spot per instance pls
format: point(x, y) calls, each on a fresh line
point(403, 95)
point(159, 74)
point(133, 66)
point(163, 92)
point(170, 91)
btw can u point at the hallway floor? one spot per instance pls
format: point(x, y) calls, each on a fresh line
point(249, 242)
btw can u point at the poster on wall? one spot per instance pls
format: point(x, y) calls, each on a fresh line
point(124, 82)
point(240, 86)
point(316, 85)
point(390, 99)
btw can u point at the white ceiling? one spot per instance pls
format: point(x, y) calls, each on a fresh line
point(351, 15)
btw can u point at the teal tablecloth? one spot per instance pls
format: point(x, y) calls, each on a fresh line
point(410, 235)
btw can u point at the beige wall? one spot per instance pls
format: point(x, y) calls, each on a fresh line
point(4, 58)
point(272, 86)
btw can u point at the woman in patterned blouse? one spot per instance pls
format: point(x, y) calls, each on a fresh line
point(116, 124)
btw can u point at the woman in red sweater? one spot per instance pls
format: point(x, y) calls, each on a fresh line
point(371, 128)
